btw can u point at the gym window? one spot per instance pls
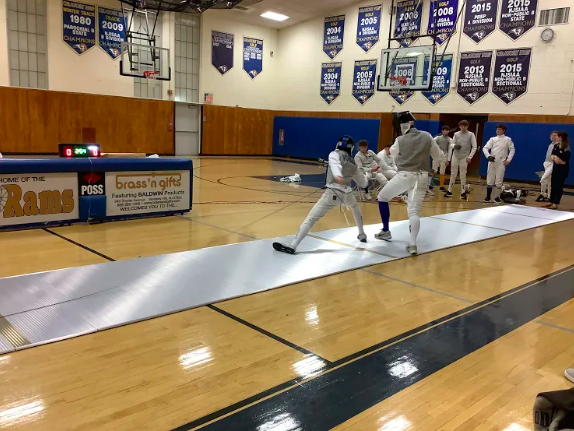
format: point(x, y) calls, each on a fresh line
point(27, 45)
point(187, 57)
point(554, 16)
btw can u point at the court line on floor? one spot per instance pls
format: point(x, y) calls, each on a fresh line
point(347, 392)
point(91, 250)
point(479, 225)
point(523, 215)
point(344, 244)
point(267, 333)
point(552, 325)
point(216, 227)
point(418, 286)
point(214, 417)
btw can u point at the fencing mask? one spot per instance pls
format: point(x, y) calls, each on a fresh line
point(402, 122)
point(346, 144)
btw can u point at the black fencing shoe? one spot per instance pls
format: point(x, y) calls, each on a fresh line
point(283, 248)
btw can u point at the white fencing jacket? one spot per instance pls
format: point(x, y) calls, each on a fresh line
point(501, 147)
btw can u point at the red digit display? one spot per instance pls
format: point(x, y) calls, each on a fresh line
point(68, 152)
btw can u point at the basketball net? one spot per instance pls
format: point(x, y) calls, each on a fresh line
point(398, 80)
point(151, 74)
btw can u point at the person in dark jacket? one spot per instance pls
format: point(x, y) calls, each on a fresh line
point(561, 158)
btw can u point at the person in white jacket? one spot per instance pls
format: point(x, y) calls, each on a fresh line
point(548, 164)
point(390, 167)
point(499, 151)
point(371, 165)
point(341, 172)
point(462, 153)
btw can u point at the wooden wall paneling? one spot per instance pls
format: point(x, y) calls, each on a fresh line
point(528, 118)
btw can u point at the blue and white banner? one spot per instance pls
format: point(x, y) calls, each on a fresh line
point(252, 56)
point(364, 80)
point(222, 51)
point(368, 27)
point(442, 19)
point(112, 31)
point(517, 17)
point(404, 67)
point(334, 35)
point(331, 81)
point(441, 80)
point(79, 29)
point(408, 21)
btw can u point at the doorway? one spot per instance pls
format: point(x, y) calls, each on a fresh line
point(187, 125)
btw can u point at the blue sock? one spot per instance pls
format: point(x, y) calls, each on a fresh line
point(488, 192)
point(385, 215)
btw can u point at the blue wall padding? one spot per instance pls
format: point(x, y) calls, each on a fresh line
point(431, 126)
point(531, 141)
point(315, 138)
point(44, 166)
point(92, 207)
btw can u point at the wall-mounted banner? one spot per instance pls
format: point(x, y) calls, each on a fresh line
point(111, 30)
point(408, 21)
point(511, 70)
point(38, 198)
point(401, 96)
point(146, 192)
point(441, 79)
point(474, 75)
point(364, 80)
point(368, 27)
point(334, 35)
point(252, 56)
point(79, 30)
point(480, 18)
point(442, 19)
point(222, 51)
point(517, 17)
point(331, 81)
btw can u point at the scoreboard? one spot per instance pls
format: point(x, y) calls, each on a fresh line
point(75, 151)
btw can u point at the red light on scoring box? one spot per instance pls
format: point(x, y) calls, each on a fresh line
point(68, 152)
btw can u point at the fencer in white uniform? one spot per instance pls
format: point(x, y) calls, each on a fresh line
point(446, 145)
point(371, 165)
point(464, 150)
point(412, 152)
point(545, 181)
point(499, 151)
point(341, 171)
point(389, 169)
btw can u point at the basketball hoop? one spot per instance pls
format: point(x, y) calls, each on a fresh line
point(151, 74)
point(400, 80)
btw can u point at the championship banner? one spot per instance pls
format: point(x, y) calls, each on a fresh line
point(408, 20)
point(331, 81)
point(368, 27)
point(517, 17)
point(442, 19)
point(112, 31)
point(79, 29)
point(334, 35)
point(474, 75)
point(511, 70)
point(364, 80)
point(222, 51)
point(146, 192)
point(480, 18)
point(441, 79)
point(38, 198)
point(252, 56)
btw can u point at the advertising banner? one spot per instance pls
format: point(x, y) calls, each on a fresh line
point(79, 25)
point(368, 27)
point(511, 73)
point(222, 51)
point(474, 75)
point(334, 35)
point(146, 192)
point(38, 198)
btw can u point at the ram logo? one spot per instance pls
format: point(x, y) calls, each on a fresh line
point(509, 95)
point(82, 47)
point(474, 96)
point(518, 31)
point(479, 35)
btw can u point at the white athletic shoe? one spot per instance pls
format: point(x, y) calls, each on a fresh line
point(362, 237)
point(412, 249)
point(569, 374)
point(385, 236)
point(368, 196)
point(430, 192)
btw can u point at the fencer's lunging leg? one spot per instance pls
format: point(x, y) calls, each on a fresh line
point(319, 210)
point(398, 185)
point(350, 201)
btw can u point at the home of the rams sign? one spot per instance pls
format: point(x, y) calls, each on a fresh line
point(38, 198)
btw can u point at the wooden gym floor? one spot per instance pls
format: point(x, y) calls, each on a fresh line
point(472, 331)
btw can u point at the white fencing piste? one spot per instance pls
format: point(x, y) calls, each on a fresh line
point(55, 305)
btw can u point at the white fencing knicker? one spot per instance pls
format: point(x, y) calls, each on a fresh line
point(415, 183)
point(456, 166)
point(546, 180)
point(495, 176)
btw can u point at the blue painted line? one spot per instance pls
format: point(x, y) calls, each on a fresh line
point(366, 378)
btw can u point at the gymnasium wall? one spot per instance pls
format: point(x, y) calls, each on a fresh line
point(4, 68)
point(35, 121)
point(236, 88)
point(551, 81)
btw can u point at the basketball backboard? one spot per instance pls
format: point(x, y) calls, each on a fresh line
point(145, 61)
point(406, 69)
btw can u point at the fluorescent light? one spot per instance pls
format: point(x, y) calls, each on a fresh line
point(274, 16)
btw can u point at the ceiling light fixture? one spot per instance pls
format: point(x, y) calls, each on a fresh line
point(274, 16)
